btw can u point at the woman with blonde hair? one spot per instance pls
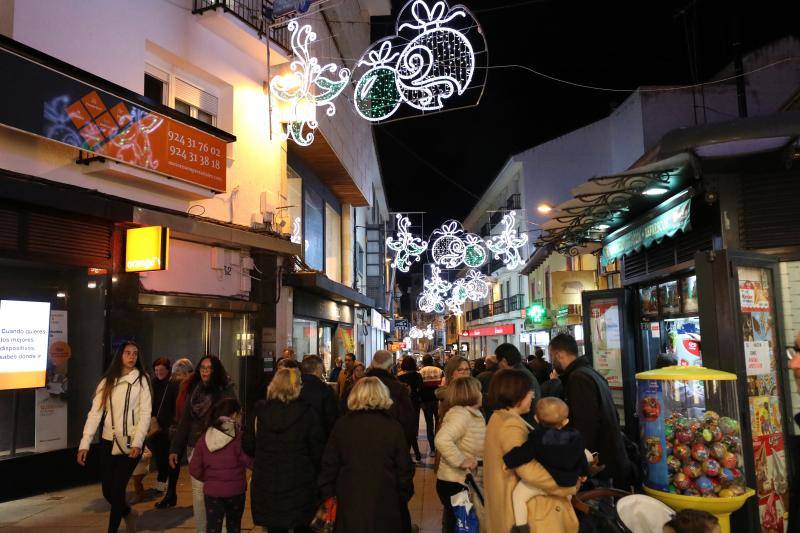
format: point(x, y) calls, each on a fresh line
point(285, 439)
point(460, 442)
point(366, 465)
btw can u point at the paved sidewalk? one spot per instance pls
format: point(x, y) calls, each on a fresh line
point(83, 509)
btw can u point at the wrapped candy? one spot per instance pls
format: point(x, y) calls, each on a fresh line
point(681, 481)
point(693, 469)
point(711, 416)
point(674, 464)
point(683, 436)
point(682, 452)
point(729, 460)
point(718, 450)
point(704, 485)
point(729, 426)
point(699, 452)
point(711, 467)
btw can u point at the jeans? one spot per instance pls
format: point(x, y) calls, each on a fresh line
point(445, 489)
point(431, 412)
point(198, 501)
point(115, 470)
point(228, 510)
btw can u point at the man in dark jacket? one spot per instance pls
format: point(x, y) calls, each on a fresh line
point(508, 356)
point(591, 410)
point(317, 393)
point(402, 409)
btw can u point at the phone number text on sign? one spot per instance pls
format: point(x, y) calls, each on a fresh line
point(192, 152)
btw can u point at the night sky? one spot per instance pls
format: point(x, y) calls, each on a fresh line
point(611, 44)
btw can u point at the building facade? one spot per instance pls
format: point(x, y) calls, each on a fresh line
point(158, 114)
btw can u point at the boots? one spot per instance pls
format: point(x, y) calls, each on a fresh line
point(169, 500)
point(521, 529)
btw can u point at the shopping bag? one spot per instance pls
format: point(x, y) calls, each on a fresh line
point(466, 518)
point(325, 519)
point(476, 497)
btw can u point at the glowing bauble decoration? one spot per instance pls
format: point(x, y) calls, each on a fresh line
point(430, 59)
point(475, 254)
point(406, 245)
point(307, 87)
point(477, 287)
point(448, 250)
point(416, 333)
point(506, 245)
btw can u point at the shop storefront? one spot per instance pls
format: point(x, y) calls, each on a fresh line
point(483, 340)
point(706, 279)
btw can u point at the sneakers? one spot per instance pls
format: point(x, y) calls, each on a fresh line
point(130, 521)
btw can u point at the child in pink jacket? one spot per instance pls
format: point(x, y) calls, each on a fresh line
point(219, 462)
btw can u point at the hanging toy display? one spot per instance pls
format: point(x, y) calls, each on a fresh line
point(432, 58)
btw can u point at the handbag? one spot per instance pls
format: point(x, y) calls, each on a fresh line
point(155, 427)
point(325, 519)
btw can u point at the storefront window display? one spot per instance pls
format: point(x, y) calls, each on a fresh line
point(36, 420)
point(314, 232)
point(304, 337)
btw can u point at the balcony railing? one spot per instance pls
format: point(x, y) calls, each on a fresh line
point(514, 202)
point(498, 307)
point(255, 13)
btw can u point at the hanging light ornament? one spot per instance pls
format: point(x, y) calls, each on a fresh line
point(434, 289)
point(428, 333)
point(476, 286)
point(306, 87)
point(406, 245)
point(448, 250)
point(430, 59)
point(506, 245)
point(416, 333)
point(474, 254)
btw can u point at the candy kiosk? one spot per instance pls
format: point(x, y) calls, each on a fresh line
point(691, 440)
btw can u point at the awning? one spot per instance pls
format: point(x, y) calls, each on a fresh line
point(640, 236)
point(579, 224)
point(319, 283)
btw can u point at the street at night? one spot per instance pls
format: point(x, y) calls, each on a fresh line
point(399, 266)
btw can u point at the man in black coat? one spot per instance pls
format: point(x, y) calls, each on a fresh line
point(402, 409)
point(508, 356)
point(591, 410)
point(317, 393)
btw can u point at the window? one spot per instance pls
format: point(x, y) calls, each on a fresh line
point(313, 224)
point(155, 88)
point(196, 102)
point(333, 244)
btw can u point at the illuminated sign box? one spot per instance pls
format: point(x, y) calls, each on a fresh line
point(147, 249)
point(488, 331)
point(24, 334)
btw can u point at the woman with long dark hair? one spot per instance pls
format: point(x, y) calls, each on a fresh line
point(122, 402)
point(209, 384)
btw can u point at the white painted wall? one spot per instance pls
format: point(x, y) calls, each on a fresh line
point(114, 39)
point(205, 279)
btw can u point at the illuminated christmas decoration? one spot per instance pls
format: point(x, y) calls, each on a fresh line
point(435, 283)
point(475, 254)
point(453, 306)
point(428, 333)
point(434, 289)
point(448, 250)
point(406, 245)
point(296, 237)
point(506, 245)
point(307, 87)
point(416, 333)
point(431, 58)
point(476, 285)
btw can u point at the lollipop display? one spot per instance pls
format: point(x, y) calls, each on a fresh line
point(690, 438)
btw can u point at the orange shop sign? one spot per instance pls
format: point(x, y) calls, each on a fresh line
point(146, 249)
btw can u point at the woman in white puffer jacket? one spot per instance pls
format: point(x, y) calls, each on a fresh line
point(122, 402)
point(460, 443)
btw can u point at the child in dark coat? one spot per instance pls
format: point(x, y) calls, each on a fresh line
point(219, 462)
point(558, 449)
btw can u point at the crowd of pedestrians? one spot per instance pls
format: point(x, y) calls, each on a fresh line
point(349, 436)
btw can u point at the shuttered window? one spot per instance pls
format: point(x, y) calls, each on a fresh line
point(196, 102)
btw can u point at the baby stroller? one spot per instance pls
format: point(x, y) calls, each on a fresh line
point(617, 511)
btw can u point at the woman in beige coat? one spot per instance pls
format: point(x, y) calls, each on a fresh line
point(510, 391)
point(460, 443)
